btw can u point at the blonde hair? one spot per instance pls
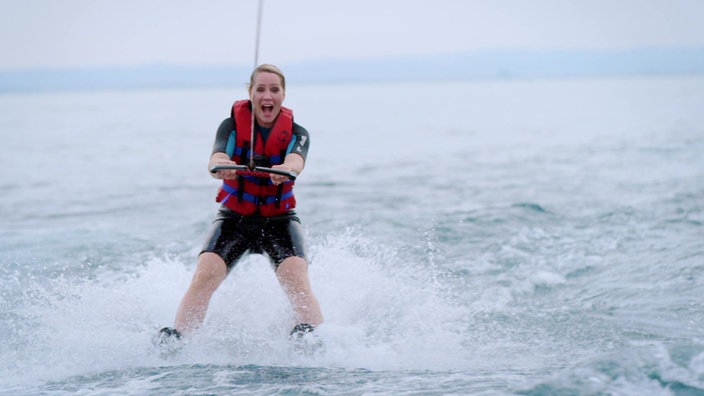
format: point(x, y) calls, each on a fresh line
point(267, 68)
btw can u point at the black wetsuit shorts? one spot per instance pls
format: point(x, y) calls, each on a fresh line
point(232, 235)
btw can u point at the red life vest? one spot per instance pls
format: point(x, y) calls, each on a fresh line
point(249, 195)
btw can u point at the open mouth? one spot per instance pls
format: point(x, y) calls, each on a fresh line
point(267, 110)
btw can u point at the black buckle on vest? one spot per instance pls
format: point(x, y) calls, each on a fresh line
point(240, 188)
point(277, 203)
point(245, 153)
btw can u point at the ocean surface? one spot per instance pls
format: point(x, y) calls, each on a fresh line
point(508, 237)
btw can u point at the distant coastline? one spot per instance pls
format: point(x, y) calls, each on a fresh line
point(478, 65)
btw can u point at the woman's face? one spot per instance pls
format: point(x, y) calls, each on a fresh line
point(266, 95)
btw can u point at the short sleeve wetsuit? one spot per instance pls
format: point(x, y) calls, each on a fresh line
point(300, 135)
point(232, 234)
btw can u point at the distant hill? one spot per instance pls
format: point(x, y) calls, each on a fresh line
point(482, 65)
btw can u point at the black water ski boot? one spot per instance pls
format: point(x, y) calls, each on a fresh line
point(169, 342)
point(304, 340)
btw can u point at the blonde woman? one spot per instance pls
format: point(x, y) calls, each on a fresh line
point(257, 213)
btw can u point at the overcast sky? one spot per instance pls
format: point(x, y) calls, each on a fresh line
point(89, 33)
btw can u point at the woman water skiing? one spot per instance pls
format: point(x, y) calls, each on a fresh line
point(257, 213)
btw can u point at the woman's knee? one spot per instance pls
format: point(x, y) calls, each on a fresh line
point(293, 266)
point(293, 274)
point(210, 272)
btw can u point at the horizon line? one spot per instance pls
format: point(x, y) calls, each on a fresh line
point(465, 66)
point(365, 59)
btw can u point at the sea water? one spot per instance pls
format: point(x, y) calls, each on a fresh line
point(489, 237)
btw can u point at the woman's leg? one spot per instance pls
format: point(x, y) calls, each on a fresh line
point(292, 274)
point(210, 273)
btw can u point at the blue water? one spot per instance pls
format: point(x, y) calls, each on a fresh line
point(492, 238)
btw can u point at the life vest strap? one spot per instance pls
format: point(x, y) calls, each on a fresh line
point(241, 195)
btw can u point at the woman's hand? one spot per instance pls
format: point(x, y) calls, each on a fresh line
point(278, 179)
point(222, 159)
point(292, 163)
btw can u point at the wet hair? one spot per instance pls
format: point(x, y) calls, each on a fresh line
point(267, 68)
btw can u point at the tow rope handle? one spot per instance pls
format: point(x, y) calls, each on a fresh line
point(258, 171)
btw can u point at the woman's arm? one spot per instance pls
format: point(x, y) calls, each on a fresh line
point(219, 156)
point(221, 159)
